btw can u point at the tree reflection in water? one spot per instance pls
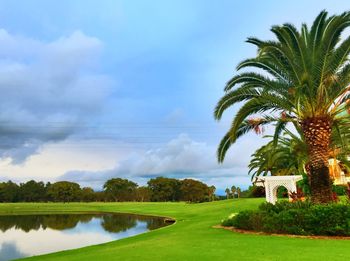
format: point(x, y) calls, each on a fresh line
point(118, 223)
point(112, 223)
point(28, 235)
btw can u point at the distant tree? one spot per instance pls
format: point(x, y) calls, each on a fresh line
point(164, 189)
point(32, 191)
point(238, 190)
point(194, 191)
point(143, 194)
point(158, 189)
point(120, 189)
point(233, 191)
point(101, 196)
point(212, 190)
point(87, 194)
point(227, 191)
point(64, 191)
point(9, 192)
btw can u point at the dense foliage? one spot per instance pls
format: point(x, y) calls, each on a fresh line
point(164, 189)
point(120, 189)
point(64, 191)
point(299, 218)
point(253, 192)
point(115, 190)
point(283, 155)
point(340, 190)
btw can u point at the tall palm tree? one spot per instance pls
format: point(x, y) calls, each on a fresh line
point(303, 77)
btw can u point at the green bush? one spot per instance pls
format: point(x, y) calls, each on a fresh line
point(282, 192)
point(340, 190)
point(245, 219)
point(299, 218)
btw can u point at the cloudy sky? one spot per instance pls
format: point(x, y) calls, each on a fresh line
point(97, 89)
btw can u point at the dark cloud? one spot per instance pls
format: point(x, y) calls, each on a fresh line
point(48, 90)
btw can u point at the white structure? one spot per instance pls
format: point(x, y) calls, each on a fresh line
point(272, 183)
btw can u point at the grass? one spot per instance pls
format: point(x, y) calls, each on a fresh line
point(190, 238)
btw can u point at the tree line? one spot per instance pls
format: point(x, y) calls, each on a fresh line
point(114, 190)
point(234, 192)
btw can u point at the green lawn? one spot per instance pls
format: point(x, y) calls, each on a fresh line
point(191, 237)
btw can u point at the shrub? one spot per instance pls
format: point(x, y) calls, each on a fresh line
point(256, 192)
point(340, 190)
point(244, 220)
point(282, 192)
point(304, 185)
point(299, 218)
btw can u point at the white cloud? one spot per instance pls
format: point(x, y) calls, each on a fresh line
point(49, 89)
point(54, 159)
point(180, 158)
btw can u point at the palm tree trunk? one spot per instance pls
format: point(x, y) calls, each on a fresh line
point(317, 133)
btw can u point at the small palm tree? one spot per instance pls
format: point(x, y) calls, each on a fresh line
point(227, 191)
point(305, 80)
point(212, 190)
point(285, 156)
point(233, 191)
point(239, 192)
point(270, 160)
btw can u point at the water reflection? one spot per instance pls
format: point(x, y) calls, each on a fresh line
point(28, 235)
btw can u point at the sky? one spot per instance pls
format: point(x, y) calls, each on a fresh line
point(92, 90)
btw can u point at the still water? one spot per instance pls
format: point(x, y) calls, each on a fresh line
point(29, 235)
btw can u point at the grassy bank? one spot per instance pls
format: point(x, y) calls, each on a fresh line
point(191, 238)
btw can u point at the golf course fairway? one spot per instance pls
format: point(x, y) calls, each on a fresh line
point(192, 237)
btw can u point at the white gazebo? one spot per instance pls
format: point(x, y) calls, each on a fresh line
point(272, 183)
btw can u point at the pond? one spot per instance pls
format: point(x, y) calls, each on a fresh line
point(29, 235)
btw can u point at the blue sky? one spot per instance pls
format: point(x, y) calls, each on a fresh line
point(99, 89)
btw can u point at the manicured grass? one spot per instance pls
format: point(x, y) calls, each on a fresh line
point(191, 238)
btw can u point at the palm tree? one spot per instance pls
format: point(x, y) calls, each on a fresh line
point(233, 191)
point(285, 156)
point(303, 77)
point(238, 192)
point(288, 155)
point(212, 190)
point(272, 160)
point(227, 191)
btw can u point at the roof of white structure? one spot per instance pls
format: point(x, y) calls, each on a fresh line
point(294, 177)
